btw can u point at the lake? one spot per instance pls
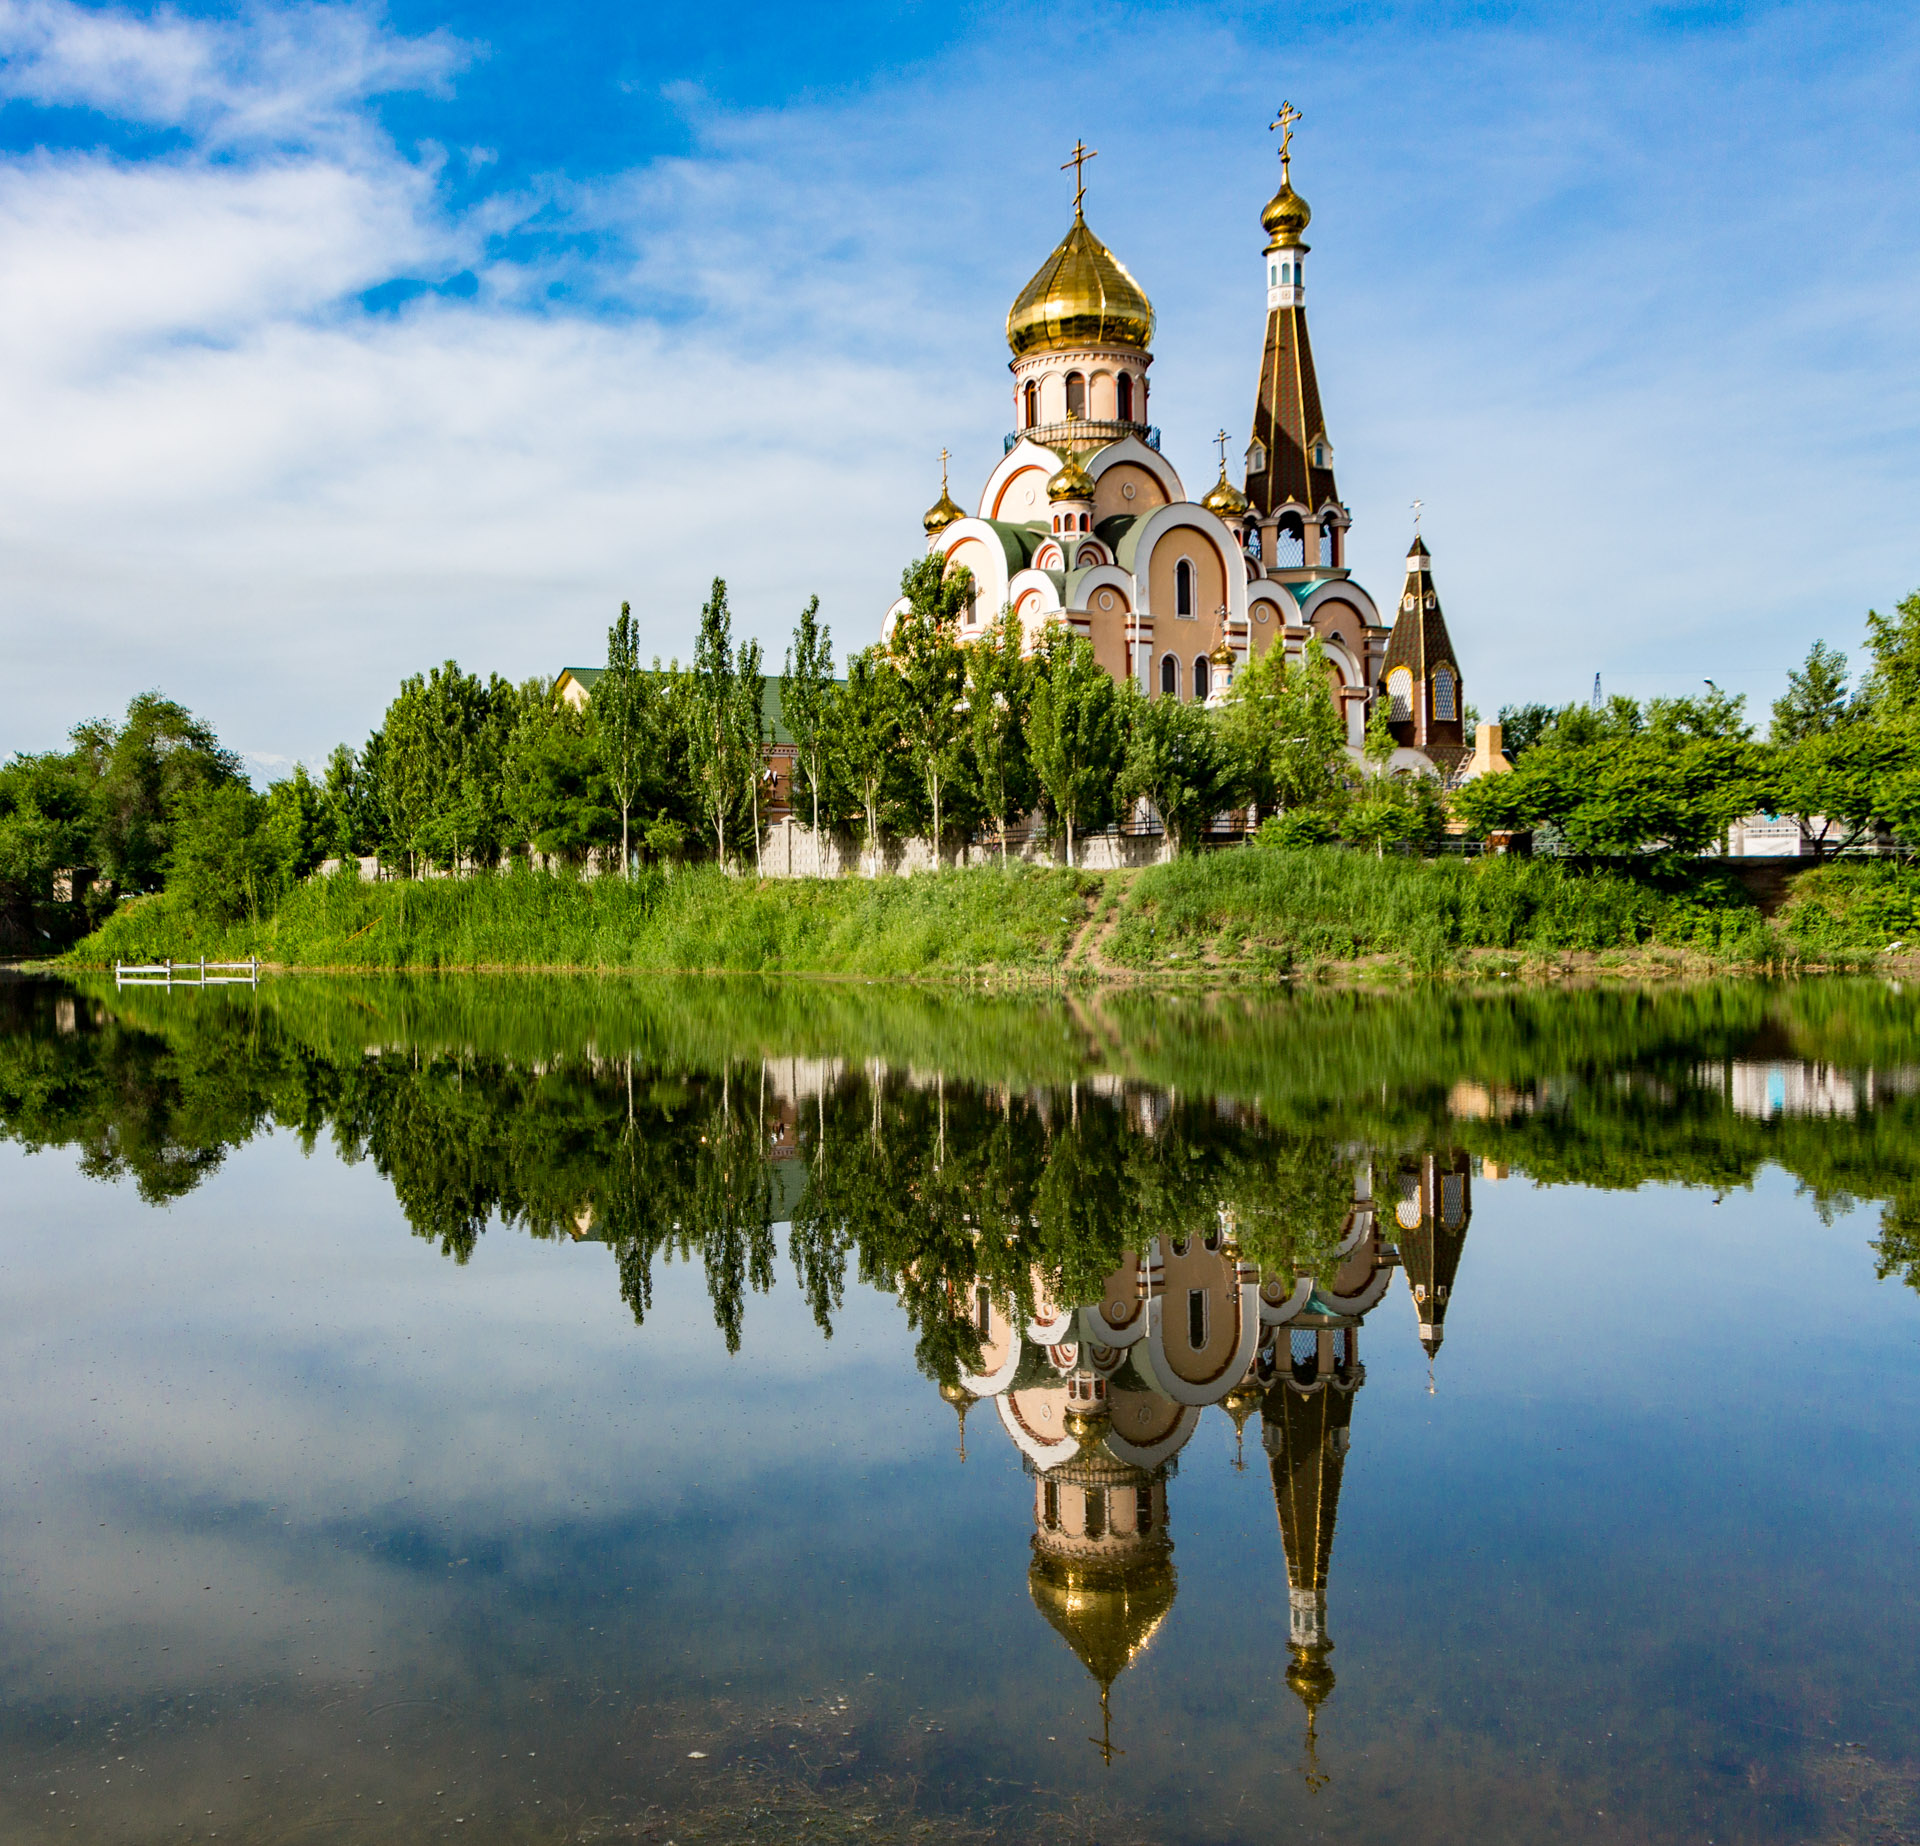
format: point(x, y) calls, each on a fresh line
point(568, 1410)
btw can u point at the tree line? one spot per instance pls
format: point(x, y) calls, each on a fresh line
point(922, 735)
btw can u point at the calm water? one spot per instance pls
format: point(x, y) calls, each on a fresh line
point(575, 1411)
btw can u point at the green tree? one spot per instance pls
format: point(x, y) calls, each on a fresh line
point(867, 738)
point(724, 748)
point(140, 774)
point(1892, 689)
point(620, 715)
point(1283, 730)
point(925, 650)
point(1522, 726)
point(806, 701)
point(998, 689)
point(1815, 701)
point(43, 835)
point(1074, 731)
point(1177, 757)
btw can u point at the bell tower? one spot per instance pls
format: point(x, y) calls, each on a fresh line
point(1294, 503)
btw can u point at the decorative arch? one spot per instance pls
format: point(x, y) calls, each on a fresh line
point(1446, 699)
point(1183, 587)
point(1169, 676)
point(1202, 678)
point(1030, 404)
point(1077, 394)
point(1124, 397)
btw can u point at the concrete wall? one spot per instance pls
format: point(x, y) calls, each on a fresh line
point(791, 851)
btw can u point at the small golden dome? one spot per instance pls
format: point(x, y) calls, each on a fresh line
point(1073, 482)
point(1080, 296)
point(1226, 500)
point(941, 514)
point(1222, 655)
point(1286, 216)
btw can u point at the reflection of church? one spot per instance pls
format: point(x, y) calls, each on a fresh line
point(1100, 1399)
point(1085, 523)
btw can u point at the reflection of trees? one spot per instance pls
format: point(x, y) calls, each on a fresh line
point(479, 1109)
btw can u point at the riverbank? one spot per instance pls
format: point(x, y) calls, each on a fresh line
point(1256, 912)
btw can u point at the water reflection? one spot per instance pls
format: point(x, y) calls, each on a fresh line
point(1095, 1224)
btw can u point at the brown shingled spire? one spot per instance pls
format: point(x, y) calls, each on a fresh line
point(1428, 703)
point(1289, 460)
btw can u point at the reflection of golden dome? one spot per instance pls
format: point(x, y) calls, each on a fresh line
point(1226, 501)
point(1106, 1615)
point(1310, 1676)
point(1286, 216)
point(1080, 296)
point(1073, 482)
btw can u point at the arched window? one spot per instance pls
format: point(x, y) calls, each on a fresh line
point(1032, 395)
point(1273, 275)
point(1256, 458)
point(1453, 1200)
point(1445, 707)
point(1400, 695)
point(1086, 522)
point(1202, 677)
point(1286, 272)
point(1329, 542)
point(1126, 397)
point(1183, 588)
point(1169, 677)
point(1289, 543)
point(1076, 394)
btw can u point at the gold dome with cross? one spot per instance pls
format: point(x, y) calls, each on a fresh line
point(1082, 294)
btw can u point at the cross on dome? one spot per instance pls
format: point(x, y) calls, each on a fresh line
point(1284, 121)
point(1077, 160)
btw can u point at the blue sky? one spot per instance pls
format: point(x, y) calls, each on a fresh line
point(335, 341)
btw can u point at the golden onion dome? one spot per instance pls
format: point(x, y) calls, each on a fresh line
point(1080, 296)
point(1222, 655)
point(1226, 500)
point(1073, 482)
point(941, 514)
point(1286, 216)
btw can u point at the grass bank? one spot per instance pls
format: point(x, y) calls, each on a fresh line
point(1255, 911)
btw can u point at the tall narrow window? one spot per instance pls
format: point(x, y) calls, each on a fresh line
point(1169, 676)
point(1400, 695)
point(1202, 678)
point(1050, 1505)
point(1096, 1512)
point(1453, 1200)
point(1183, 588)
point(1033, 403)
point(1143, 1509)
point(1126, 397)
point(1329, 543)
point(1445, 706)
point(1076, 394)
point(1196, 1318)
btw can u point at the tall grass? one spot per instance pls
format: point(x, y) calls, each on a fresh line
point(697, 919)
point(1322, 903)
point(1261, 909)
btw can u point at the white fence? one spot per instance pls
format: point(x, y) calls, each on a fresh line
point(202, 973)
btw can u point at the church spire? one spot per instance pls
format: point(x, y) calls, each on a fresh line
point(1289, 478)
point(1421, 671)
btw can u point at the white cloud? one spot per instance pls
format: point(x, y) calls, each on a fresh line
point(1652, 439)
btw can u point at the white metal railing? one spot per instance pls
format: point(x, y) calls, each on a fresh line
point(201, 973)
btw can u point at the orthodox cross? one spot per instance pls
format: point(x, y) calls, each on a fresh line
point(1284, 121)
point(943, 473)
point(1220, 436)
point(1078, 162)
point(1418, 505)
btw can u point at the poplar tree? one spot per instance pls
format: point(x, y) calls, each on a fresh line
point(715, 730)
point(867, 737)
point(806, 699)
point(1075, 733)
point(620, 723)
point(997, 694)
point(925, 649)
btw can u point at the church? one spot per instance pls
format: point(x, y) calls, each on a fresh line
point(1085, 522)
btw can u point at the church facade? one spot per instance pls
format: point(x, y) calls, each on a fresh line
point(1085, 522)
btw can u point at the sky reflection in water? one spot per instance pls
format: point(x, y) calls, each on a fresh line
point(315, 1525)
